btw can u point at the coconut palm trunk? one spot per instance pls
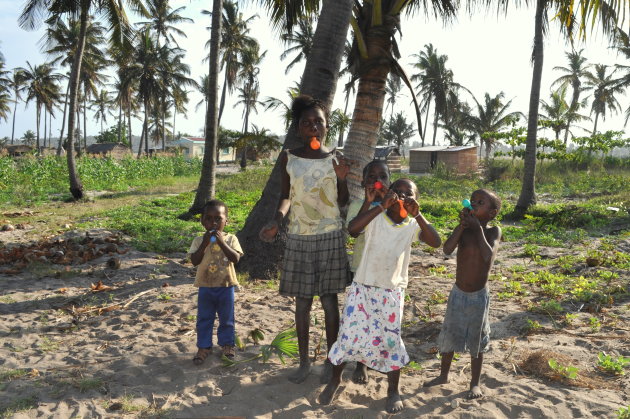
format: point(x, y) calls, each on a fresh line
point(45, 126)
point(207, 181)
point(120, 124)
point(368, 109)
point(38, 117)
point(13, 125)
point(572, 108)
point(85, 123)
point(223, 94)
point(129, 127)
point(319, 80)
point(76, 187)
point(595, 123)
point(145, 129)
point(527, 196)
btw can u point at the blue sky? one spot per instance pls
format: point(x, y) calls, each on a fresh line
point(486, 53)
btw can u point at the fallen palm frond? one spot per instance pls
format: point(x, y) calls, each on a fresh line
point(284, 344)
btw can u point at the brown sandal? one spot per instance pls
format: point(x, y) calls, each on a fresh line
point(202, 354)
point(228, 351)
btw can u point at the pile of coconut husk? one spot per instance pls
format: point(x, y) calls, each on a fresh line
point(69, 249)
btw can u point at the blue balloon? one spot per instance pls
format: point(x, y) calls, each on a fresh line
point(466, 204)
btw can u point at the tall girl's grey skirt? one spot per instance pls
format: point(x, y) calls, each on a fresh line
point(315, 265)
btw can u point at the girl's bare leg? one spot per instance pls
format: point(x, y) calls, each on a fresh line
point(302, 325)
point(329, 391)
point(330, 305)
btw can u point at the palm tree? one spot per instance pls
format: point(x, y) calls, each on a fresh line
point(91, 78)
point(392, 91)
point(102, 103)
point(565, 12)
point(622, 44)
point(163, 21)
point(604, 88)
point(492, 118)
point(235, 40)
point(174, 75)
point(374, 28)
point(259, 139)
point(573, 75)
point(41, 86)
point(435, 83)
point(179, 101)
point(143, 74)
point(555, 113)
point(202, 87)
point(250, 89)
point(299, 41)
point(397, 130)
point(17, 85)
point(113, 12)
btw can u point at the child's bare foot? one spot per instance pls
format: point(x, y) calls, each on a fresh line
point(474, 392)
point(360, 374)
point(326, 372)
point(328, 393)
point(436, 381)
point(302, 372)
point(393, 404)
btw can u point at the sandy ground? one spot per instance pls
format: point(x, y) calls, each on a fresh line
point(67, 350)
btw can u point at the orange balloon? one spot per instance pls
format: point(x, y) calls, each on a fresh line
point(403, 211)
point(315, 145)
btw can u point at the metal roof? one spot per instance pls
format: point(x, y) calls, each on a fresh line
point(444, 148)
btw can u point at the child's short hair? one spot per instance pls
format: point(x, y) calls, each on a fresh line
point(374, 163)
point(305, 102)
point(215, 203)
point(413, 184)
point(494, 199)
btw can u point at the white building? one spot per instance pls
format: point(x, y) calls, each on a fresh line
point(195, 147)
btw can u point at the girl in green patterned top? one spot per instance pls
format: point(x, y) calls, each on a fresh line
point(315, 260)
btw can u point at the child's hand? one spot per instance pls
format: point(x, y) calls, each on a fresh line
point(341, 166)
point(412, 207)
point(372, 194)
point(471, 220)
point(269, 231)
point(389, 199)
point(218, 235)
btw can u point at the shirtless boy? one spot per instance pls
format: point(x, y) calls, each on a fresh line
point(466, 326)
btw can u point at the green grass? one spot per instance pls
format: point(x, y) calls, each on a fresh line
point(154, 226)
point(30, 180)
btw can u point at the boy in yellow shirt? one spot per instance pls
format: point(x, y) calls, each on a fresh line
point(215, 254)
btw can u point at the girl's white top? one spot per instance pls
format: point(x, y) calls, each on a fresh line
point(313, 196)
point(385, 260)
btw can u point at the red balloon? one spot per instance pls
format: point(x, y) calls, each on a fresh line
point(378, 185)
point(403, 211)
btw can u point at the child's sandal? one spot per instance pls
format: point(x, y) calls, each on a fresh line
point(228, 351)
point(202, 354)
